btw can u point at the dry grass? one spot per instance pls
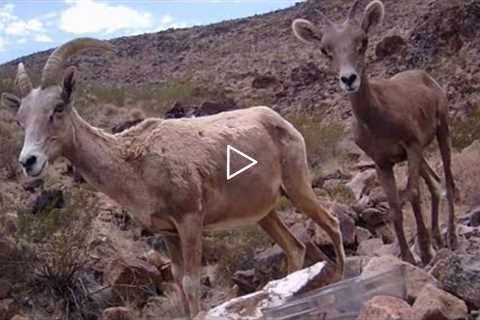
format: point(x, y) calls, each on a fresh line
point(322, 140)
point(10, 144)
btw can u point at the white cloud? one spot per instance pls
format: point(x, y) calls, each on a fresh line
point(2, 44)
point(90, 16)
point(42, 38)
point(22, 27)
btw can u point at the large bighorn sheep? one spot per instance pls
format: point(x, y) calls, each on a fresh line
point(171, 174)
point(394, 119)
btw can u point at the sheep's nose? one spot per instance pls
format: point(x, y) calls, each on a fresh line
point(349, 80)
point(29, 162)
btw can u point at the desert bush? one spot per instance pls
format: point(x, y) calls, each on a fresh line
point(321, 139)
point(10, 146)
point(465, 131)
point(57, 240)
point(235, 249)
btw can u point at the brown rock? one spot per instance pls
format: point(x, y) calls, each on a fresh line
point(375, 217)
point(390, 45)
point(132, 279)
point(386, 308)
point(5, 288)
point(8, 308)
point(362, 234)
point(460, 275)
point(117, 313)
point(19, 317)
point(415, 279)
point(369, 247)
point(434, 301)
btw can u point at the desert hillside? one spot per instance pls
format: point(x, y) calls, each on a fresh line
point(69, 252)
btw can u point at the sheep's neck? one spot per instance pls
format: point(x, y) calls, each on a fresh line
point(364, 105)
point(92, 152)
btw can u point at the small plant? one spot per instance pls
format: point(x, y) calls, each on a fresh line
point(58, 242)
point(10, 145)
point(464, 132)
point(321, 139)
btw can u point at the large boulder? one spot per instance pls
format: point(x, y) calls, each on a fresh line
point(273, 294)
point(117, 313)
point(460, 275)
point(386, 308)
point(434, 301)
point(415, 279)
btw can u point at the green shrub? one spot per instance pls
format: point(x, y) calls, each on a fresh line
point(464, 132)
point(321, 139)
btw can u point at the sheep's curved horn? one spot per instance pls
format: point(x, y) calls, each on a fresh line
point(52, 71)
point(353, 10)
point(22, 81)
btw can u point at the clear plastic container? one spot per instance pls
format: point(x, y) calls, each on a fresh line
point(342, 300)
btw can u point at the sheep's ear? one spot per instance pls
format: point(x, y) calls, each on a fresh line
point(10, 101)
point(373, 16)
point(306, 31)
point(68, 85)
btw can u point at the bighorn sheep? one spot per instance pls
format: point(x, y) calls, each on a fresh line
point(171, 174)
point(394, 119)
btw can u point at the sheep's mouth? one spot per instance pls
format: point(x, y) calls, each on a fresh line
point(38, 172)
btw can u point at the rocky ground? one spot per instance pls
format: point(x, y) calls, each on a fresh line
point(67, 252)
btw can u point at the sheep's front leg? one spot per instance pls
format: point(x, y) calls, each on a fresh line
point(190, 233)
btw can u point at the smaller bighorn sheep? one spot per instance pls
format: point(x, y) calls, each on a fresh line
point(394, 119)
point(171, 174)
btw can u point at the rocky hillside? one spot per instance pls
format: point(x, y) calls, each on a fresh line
point(257, 60)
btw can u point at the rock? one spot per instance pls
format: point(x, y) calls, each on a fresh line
point(386, 308)
point(179, 111)
point(155, 258)
point(362, 234)
point(8, 309)
point(5, 288)
point(19, 317)
point(474, 217)
point(132, 279)
point(385, 232)
point(434, 301)
point(374, 217)
point(389, 46)
point(460, 275)
point(415, 278)
point(48, 200)
point(354, 266)
point(264, 81)
point(360, 182)
point(117, 313)
point(305, 74)
point(213, 107)
point(369, 247)
point(273, 294)
point(246, 280)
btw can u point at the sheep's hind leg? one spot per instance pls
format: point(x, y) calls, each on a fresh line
point(293, 248)
point(176, 260)
point(190, 232)
point(433, 186)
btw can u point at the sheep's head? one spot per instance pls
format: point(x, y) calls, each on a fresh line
point(344, 45)
point(44, 112)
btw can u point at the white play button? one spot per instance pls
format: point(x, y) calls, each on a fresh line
point(251, 164)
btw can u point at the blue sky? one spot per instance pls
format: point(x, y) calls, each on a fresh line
point(34, 25)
